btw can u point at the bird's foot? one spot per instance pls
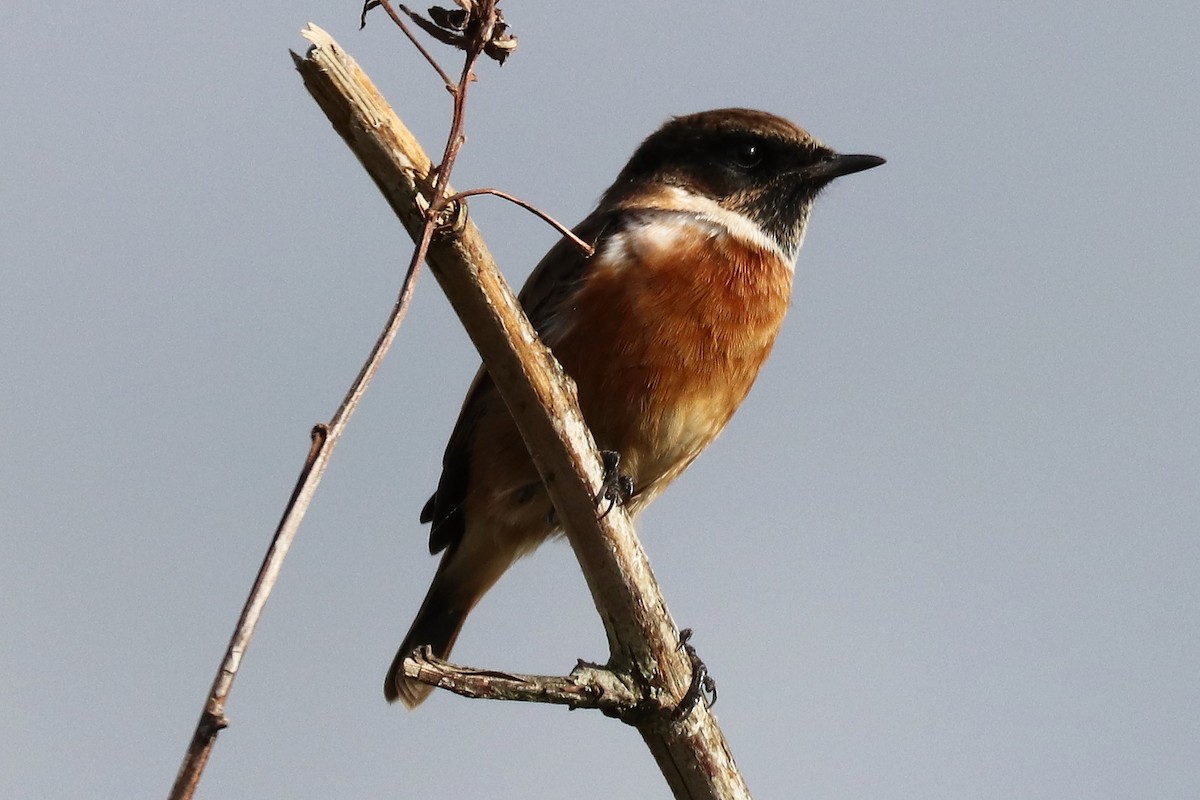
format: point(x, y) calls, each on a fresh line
point(702, 687)
point(615, 488)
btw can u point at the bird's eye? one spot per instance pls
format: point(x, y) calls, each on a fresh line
point(746, 155)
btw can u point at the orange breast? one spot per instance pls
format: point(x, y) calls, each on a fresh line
point(667, 335)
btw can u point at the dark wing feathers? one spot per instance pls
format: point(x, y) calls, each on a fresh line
point(445, 508)
point(543, 298)
point(558, 275)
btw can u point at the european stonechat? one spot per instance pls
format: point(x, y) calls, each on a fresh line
point(663, 329)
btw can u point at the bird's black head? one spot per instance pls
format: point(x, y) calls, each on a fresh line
point(749, 162)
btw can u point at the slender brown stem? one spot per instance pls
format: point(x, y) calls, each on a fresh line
point(324, 440)
point(396, 18)
point(537, 212)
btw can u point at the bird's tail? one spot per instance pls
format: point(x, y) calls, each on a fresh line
point(437, 624)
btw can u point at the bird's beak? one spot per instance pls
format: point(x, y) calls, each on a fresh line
point(838, 165)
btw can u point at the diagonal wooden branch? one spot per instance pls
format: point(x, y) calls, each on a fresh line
point(692, 752)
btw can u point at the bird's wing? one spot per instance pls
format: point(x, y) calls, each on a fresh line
point(546, 299)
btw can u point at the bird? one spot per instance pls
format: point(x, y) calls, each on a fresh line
point(663, 328)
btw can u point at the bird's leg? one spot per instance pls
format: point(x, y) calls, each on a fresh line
point(614, 487)
point(702, 686)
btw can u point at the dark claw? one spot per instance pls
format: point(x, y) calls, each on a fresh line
point(702, 686)
point(614, 487)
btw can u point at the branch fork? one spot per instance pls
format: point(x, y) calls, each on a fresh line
point(647, 670)
point(649, 682)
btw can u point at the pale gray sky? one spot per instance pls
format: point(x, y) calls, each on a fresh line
point(947, 549)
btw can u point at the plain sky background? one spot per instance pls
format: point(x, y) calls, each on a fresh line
point(947, 549)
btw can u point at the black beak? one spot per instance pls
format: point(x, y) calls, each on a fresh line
point(837, 165)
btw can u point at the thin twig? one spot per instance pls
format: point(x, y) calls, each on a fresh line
point(588, 685)
point(551, 221)
point(391, 12)
point(325, 437)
